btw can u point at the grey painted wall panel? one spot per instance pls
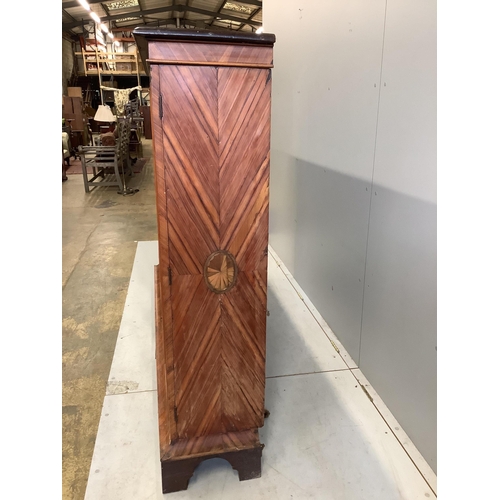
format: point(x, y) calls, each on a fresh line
point(330, 245)
point(327, 93)
point(283, 206)
point(324, 112)
point(407, 124)
point(398, 339)
point(333, 146)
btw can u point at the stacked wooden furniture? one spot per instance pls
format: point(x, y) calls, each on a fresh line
point(108, 163)
point(210, 107)
point(75, 117)
point(73, 112)
point(146, 115)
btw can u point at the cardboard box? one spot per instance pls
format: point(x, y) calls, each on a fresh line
point(125, 67)
point(75, 92)
point(73, 111)
point(67, 105)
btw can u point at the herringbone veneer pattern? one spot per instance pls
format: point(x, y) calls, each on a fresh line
point(215, 147)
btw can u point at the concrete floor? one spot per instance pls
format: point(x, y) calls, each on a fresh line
point(100, 231)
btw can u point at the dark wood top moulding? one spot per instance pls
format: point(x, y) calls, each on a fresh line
point(204, 36)
point(144, 35)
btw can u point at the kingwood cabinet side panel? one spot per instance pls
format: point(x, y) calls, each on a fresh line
point(190, 149)
point(212, 144)
point(244, 121)
point(165, 374)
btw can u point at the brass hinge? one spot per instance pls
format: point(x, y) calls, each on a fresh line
point(161, 106)
point(169, 275)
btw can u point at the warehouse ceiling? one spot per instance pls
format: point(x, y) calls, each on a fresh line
point(127, 14)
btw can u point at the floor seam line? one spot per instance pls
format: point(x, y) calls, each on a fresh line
point(132, 392)
point(346, 369)
point(310, 373)
point(312, 314)
point(394, 434)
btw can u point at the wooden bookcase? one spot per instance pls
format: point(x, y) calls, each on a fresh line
point(210, 112)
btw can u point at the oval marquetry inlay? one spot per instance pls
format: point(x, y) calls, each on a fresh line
point(220, 271)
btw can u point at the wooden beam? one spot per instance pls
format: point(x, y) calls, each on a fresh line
point(218, 12)
point(257, 3)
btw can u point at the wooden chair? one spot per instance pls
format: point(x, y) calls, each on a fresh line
point(107, 161)
point(132, 111)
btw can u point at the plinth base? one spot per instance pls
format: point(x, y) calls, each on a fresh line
point(175, 474)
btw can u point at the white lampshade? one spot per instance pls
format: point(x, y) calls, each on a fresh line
point(104, 114)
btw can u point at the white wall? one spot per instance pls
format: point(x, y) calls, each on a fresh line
point(353, 185)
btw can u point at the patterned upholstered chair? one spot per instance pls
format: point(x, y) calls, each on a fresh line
point(66, 147)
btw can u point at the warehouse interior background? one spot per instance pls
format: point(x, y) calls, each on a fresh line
point(357, 130)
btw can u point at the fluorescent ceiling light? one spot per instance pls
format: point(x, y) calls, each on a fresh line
point(260, 30)
point(238, 8)
point(84, 4)
point(122, 4)
point(110, 35)
point(95, 17)
point(123, 19)
point(104, 28)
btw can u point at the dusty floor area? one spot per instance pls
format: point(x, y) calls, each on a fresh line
point(100, 231)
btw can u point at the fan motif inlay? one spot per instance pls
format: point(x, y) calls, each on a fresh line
point(220, 271)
